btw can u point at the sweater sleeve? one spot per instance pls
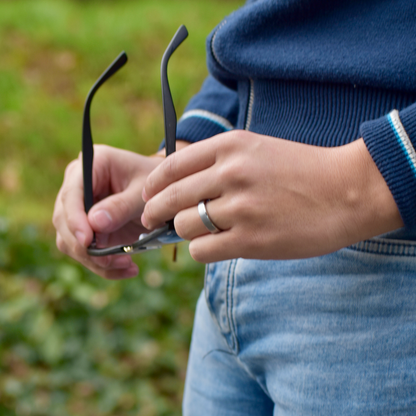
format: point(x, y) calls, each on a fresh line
point(391, 141)
point(213, 110)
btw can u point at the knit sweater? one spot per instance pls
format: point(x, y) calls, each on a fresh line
point(321, 72)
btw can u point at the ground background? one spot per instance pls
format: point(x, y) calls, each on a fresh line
point(70, 342)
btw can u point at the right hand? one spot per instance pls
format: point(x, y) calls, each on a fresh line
point(118, 180)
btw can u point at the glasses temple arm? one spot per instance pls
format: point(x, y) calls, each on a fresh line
point(87, 143)
point(168, 106)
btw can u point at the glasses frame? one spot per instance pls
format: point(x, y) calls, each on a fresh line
point(166, 234)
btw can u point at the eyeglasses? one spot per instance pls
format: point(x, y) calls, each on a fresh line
point(166, 234)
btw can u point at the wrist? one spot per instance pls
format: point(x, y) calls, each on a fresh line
point(367, 205)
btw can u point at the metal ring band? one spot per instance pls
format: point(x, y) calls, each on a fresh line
point(202, 211)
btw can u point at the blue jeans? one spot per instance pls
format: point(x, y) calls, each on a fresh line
point(332, 335)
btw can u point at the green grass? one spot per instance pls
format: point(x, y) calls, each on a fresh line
point(70, 342)
point(51, 54)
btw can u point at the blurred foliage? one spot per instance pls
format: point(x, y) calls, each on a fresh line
point(72, 343)
point(75, 344)
point(51, 54)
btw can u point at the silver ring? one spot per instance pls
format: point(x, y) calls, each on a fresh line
point(202, 211)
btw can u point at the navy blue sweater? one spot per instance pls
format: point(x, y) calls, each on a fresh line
point(321, 72)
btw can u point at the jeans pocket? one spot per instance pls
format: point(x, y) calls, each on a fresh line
point(219, 287)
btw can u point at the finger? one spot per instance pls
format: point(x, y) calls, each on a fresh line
point(132, 271)
point(192, 159)
point(116, 210)
point(189, 225)
point(109, 267)
point(181, 195)
point(127, 234)
point(118, 179)
point(72, 200)
point(69, 245)
point(211, 248)
point(116, 274)
point(113, 267)
point(112, 262)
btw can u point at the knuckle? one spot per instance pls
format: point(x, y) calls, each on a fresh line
point(233, 139)
point(60, 244)
point(240, 135)
point(65, 192)
point(235, 208)
point(124, 209)
point(170, 167)
point(56, 219)
point(174, 196)
point(165, 173)
point(71, 167)
point(71, 222)
point(234, 171)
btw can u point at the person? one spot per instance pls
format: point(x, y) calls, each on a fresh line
point(300, 147)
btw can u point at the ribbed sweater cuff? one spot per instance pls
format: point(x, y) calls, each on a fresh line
point(391, 142)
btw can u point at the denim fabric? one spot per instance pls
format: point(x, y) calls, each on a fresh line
point(332, 335)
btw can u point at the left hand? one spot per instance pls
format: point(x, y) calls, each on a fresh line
point(273, 198)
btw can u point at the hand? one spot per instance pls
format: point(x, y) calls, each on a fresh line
point(118, 179)
point(273, 199)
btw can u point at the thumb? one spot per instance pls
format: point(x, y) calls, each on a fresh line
point(116, 210)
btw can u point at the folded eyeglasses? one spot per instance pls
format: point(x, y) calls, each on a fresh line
point(166, 234)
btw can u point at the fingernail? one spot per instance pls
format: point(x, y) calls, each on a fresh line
point(102, 219)
point(144, 222)
point(80, 236)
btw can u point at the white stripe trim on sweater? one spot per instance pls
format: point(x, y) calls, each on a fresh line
point(207, 115)
point(403, 138)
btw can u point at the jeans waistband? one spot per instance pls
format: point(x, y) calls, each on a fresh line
point(380, 245)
